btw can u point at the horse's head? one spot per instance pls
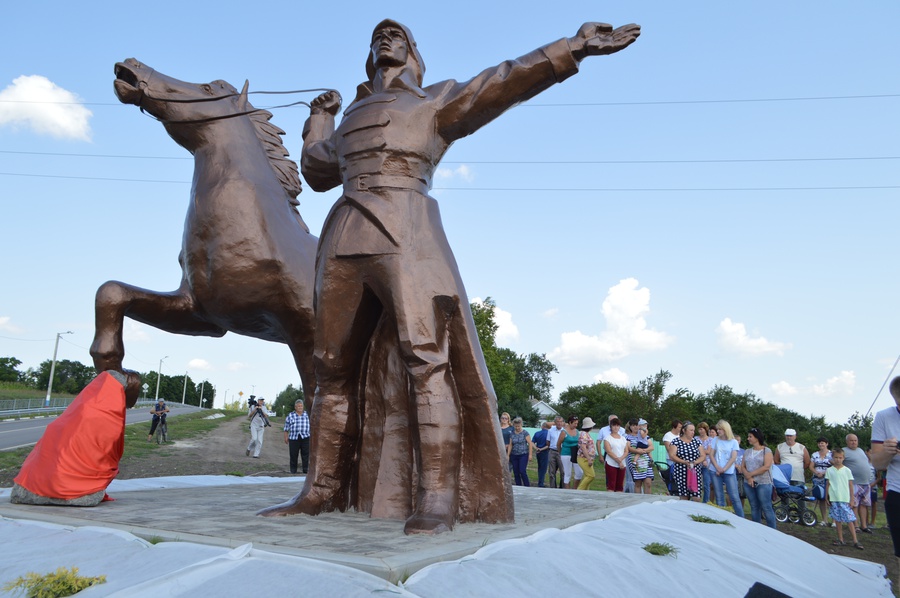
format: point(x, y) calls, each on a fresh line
point(189, 109)
point(176, 102)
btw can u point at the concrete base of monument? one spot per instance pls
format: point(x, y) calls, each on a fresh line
point(224, 516)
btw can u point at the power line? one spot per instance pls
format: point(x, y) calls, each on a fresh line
point(72, 155)
point(28, 340)
point(726, 101)
point(549, 189)
point(89, 178)
point(553, 162)
point(646, 103)
point(669, 189)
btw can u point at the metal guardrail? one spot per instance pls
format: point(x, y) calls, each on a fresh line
point(34, 406)
point(13, 408)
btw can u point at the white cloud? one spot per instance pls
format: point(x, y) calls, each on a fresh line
point(34, 102)
point(199, 364)
point(842, 384)
point(6, 325)
point(506, 330)
point(626, 330)
point(135, 332)
point(784, 389)
point(550, 312)
point(613, 376)
point(733, 337)
point(460, 172)
point(236, 366)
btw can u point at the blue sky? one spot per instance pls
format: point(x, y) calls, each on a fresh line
point(683, 205)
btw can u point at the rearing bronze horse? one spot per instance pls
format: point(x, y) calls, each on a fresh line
point(247, 257)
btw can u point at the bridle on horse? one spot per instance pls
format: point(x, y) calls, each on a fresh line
point(144, 94)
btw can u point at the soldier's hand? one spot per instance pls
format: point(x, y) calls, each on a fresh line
point(328, 102)
point(595, 39)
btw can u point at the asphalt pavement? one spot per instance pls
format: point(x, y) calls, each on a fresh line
point(16, 433)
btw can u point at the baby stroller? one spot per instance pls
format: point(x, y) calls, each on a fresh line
point(792, 500)
point(666, 474)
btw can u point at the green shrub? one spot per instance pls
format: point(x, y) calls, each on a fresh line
point(661, 549)
point(63, 582)
point(705, 519)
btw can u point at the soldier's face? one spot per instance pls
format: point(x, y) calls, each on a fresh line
point(389, 47)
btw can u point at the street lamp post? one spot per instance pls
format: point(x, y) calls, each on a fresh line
point(184, 392)
point(53, 366)
point(202, 384)
point(158, 376)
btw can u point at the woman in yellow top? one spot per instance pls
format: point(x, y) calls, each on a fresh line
point(586, 453)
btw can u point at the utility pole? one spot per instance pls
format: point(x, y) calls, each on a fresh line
point(158, 376)
point(184, 392)
point(53, 366)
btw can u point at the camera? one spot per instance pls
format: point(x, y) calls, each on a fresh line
point(251, 402)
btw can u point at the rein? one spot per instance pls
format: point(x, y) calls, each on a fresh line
point(225, 97)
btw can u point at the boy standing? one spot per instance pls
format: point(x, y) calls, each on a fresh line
point(839, 486)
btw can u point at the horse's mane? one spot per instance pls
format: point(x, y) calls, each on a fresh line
point(285, 169)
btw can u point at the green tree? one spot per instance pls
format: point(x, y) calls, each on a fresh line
point(856, 424)
point(9, 369)
point(69, 377)
point(284, 402)
point(597, 401)
point(515, 378)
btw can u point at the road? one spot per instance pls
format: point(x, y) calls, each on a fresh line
point(15, 433)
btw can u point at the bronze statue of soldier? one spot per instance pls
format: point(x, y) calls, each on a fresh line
point(390, 302)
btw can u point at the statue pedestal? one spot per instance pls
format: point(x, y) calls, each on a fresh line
point(224, 516)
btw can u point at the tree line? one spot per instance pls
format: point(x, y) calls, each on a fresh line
point(518, 378)
point(70, 378)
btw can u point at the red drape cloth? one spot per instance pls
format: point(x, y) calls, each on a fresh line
point(79, 452)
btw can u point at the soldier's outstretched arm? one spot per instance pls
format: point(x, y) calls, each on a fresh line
point(596, 39)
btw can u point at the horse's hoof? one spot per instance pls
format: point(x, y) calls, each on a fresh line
point(132, 388)
point(428, 523)
point(311, 503)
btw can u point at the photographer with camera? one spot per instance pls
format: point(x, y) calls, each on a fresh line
point(259, 421)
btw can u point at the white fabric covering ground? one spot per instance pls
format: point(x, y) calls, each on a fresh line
point(599, 558)
point(600, 555)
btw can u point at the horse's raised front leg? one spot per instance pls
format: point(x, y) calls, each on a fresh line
point(175, 312)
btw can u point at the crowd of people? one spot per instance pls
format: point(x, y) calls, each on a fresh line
point(704, 463)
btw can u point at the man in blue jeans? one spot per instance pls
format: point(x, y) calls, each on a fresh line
point(541, 443)
point(159, 415)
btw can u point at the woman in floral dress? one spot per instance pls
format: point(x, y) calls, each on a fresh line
point(640, 448)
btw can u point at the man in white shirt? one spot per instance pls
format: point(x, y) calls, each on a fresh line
point(790, 452)
point(886, 455)
point(555, 464)
point(259, 421)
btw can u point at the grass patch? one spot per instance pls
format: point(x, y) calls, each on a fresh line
point(62, 582)
point(705, 519)
point(661, 549)
point(236, 474)
point(181, 427)
point(155, 540)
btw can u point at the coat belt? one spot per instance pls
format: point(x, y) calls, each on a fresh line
point(364, 182)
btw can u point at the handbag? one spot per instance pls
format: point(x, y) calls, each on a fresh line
point(575, 454)
point(692, 480)
point(818, 492)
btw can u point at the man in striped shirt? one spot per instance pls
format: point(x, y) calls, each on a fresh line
point(296, 436)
